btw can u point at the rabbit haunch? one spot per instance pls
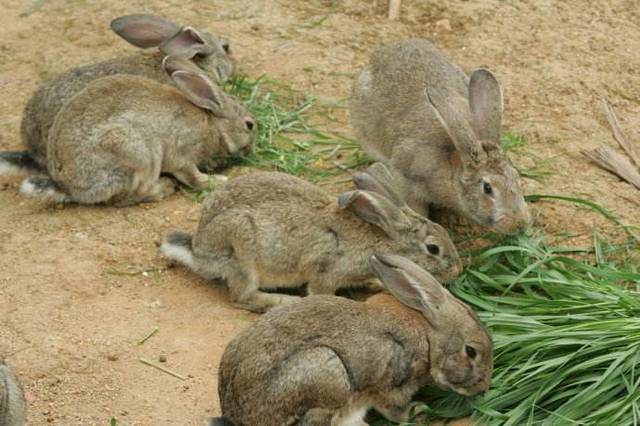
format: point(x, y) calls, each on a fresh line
point(327, 360)
point(12, 403)
point(439, 130)
point(272, 230)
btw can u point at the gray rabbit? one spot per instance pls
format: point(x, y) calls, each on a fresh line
point(327, 360)
point(114, 141)
point(208, 54)
point(439, 130)
point(12, 403)
point(272, 230)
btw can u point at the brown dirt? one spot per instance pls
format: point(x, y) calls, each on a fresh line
point(70, 320)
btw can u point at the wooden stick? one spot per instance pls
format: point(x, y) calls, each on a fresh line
point(161, 368)
point(394, 9)
point(617, 133)
point(149, 336)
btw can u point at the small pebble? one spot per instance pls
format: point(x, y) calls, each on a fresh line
point(162, 358)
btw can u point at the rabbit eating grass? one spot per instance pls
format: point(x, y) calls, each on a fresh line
point(327, 360)
point(439, 131)
point(116, 139)
point(272, 230)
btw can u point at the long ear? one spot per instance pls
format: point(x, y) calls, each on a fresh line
point(187, 43)
point(456, 126)
point(172, 64)
point(376, 210)
point(377, 178)
point(411, 285)
point(485, 101)
point(144, 30)
point(200, 90)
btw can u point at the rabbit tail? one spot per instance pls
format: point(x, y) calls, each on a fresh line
point(17, 162)
point(177, 248)
point(43, 187)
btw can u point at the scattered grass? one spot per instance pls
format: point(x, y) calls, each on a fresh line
point(287, 141)
point(509, 142)
point(566, 335)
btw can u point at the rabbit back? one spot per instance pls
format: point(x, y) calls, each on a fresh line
point(42, 108)
point(325, 353)
point(389, 104)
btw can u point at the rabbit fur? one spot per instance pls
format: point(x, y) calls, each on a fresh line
point(12, 403)
point(113, 140)
point(439, 131)
point(272, 230)
point(326, 360)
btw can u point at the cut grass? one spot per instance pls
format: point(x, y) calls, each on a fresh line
point(566, 337)
point(287, 141)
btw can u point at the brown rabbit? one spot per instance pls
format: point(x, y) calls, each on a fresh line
point(439, 130)
point(12, 403)
point(113, 140)
point(272, 230)
point(209, 55)
point(327, 360)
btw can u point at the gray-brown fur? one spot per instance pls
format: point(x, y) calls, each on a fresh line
point(110, 143)
point(12, 403)
point(326, 360)
point(272, 230)
point(439, 130)
point(214, 60)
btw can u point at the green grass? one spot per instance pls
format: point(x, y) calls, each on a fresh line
point(511, 142)
point(287, 140)
point(566, 335)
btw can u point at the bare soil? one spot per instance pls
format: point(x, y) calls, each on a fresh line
point(80, 287)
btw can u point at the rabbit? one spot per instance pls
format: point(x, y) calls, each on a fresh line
point(209, 54)
point(115, 141)
point(12, 403)
point(439, 131)
point(272, 230)
point(327, 360)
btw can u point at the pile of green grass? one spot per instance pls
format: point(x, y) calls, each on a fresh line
point(566, 335)
point(287, 140)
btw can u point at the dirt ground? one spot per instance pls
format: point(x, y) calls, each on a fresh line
point(81, 286)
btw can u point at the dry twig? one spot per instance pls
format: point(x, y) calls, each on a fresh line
point(628, 169)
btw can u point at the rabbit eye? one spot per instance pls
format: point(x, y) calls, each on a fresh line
point(433, 249)
point(471, 352)
point(486, 187)
point(249, 124)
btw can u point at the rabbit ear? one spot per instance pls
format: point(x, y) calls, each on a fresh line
point(376, 210)
point(172, 64)
point(458, 129)
point(377, 178)
point(200, 91)
point(485, 100)
point(411, 285)
point(143, 30)
point(187, 43)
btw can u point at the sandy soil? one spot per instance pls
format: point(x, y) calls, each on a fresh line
point(80, 287)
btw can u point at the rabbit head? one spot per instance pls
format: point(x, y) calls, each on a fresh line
point(488, 186)
point(411, 235)
point(460, 348)
point(210, 54)
point(415, 236)
point(236, 127)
